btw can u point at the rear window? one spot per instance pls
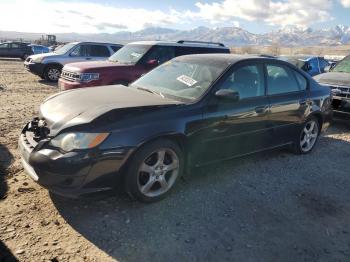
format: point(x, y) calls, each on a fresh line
point(188, 50)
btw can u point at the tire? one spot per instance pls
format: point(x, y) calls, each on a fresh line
point(307, 137)
point(24, 57)
point(52, 73)
point(154, 170)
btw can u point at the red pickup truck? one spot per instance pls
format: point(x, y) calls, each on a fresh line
point(130, 62)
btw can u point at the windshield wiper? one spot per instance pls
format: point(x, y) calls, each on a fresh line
point(150, 91)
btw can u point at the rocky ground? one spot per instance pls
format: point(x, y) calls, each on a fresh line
point(274, 206)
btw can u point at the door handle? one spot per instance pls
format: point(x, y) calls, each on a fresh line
point(261, 109)
point(88, 58)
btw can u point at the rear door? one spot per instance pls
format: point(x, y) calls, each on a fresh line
point(16, 50)
point(289, 99)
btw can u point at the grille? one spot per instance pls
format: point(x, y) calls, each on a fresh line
point(70, 76)
point(341, 91)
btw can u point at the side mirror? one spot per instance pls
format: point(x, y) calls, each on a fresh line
point(153, 62)
point(227, 94)
point(327, 68)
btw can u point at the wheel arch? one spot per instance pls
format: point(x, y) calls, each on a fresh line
point(319, 117)
point(179, 138)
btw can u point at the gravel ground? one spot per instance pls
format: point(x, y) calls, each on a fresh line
point(274, 206)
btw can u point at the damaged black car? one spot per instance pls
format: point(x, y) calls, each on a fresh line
point(191, 111)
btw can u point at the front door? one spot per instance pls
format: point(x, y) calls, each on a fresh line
point(233, 128)
point(4, 49)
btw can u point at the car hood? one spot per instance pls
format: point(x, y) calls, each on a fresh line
point(81, 106)
point(334, 78)
point(93, 66)
point(43, 55)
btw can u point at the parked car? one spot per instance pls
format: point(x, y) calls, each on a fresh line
point(313, 65)
point(338, 79)
point(48, 66)
point(130, 62)
point(39, 49)
point(192, 111)
point(15, 50)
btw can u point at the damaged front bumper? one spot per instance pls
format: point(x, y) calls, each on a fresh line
point(70, 174)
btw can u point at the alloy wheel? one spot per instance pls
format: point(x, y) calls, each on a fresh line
point(53, 74)
point(158, 172)
point(309, 136)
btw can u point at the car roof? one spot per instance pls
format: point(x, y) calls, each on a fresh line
point(225, 58)
point(96, 43)
point(181, 43)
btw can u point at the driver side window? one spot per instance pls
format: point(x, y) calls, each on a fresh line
point(161, 54)
point(247, 80)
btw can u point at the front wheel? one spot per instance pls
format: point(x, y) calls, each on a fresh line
point(308, 137)
point(154, 170)
point(52, 73)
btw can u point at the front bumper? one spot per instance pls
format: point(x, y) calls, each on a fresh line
point(71, 174)
point(35, 68)
point(64, 84)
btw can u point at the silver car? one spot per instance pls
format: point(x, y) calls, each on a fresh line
point(49, 65)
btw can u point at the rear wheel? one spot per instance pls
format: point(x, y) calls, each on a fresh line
point(308, 136)
point(52, 73)
point(154, 170)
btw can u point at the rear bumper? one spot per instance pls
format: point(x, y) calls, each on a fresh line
point(35, 68)
point(72, 174)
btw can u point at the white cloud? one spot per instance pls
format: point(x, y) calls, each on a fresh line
point(345, 3)
point(45, 16)
point(80, 17)
point(289, 12)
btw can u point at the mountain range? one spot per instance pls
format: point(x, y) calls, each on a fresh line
point(230, 36)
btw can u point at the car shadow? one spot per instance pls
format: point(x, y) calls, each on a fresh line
point(47, 83)
point(11, 59)
point(5, 161)
point(6, 254)
point(267, 207)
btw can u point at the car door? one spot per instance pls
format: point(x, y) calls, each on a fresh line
point(157, 55)
point(98, 52)
point(289, 99)
point(4, 49)
point(15, 50)
point(78, 54)
point(233, 128)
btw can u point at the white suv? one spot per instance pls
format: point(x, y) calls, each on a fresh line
point(48, 66)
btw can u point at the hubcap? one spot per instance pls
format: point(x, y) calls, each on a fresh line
point(158, 172)
point(309, 136)
point(54, 73)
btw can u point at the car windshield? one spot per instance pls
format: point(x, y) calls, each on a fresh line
point(64, 49)
point(343, 66)
point(129, 54)
point(181, 80)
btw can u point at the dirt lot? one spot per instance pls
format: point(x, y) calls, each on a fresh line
point(270, 207)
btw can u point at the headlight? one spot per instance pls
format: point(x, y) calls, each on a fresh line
point(38, 59)
point(71, 141)
point(87, 77)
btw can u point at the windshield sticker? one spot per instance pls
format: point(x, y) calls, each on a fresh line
point(186, 80)
point(135, 54)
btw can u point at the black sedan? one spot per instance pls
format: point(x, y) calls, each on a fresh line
point(191, 111)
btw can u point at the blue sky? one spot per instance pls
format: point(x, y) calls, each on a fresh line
point(93, 16)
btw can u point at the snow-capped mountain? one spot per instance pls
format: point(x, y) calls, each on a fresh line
point(230, 36)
